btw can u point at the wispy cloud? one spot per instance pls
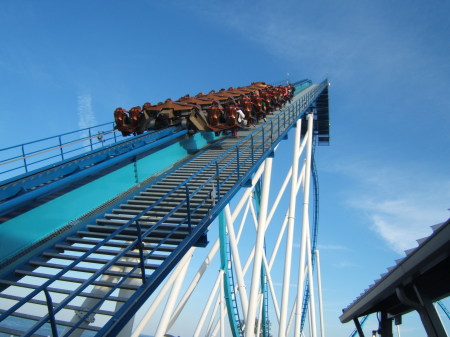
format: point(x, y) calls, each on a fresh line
point(344, 264)
point(365, 44)
point(86, 116)
point(401, 205)
point(332, 247)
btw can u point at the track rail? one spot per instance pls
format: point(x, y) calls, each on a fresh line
point(117, 261)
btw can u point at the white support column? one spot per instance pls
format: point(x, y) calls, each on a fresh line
point(164, 322)
point(290, 235)
point(155, 304)
point(194, 282)
point(209, 258)
point(319, 286)
point(291, 318)
point(272, 289)
point(248, 192)
point(208, 305)
point(294, 307)
point(259, 247)
point(213, 328)
point(305, 223)
point(88, 303)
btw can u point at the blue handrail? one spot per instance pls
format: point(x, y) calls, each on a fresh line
point(29, 156)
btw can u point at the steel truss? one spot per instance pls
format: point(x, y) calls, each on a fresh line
point(254, 262)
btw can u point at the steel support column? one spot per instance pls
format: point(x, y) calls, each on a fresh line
point(305, 228)
point(290, 234)
point(259, 250)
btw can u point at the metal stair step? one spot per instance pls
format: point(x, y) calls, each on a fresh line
point(119, 263)
point(162, 191)
point(137, 209)
point(146, 202)
point(61, 291)
point(163, 228)
point(154, 217)
point(103, 235)
point(93, 242)
point(161, 211)
point(58, 322)
point(13, 332)
point(181, 233)
point(131, 254)
point(55, 304)
point(36, 263)
point(101, 283)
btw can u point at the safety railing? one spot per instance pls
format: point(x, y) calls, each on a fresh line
point(23, 158)
point(234, 165)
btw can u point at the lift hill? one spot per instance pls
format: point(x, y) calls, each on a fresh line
point(114, 258)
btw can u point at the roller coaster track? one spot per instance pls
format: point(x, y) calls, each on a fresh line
point(315, 228)
point(444, 308)
point(361, 322)
point(229, 285)
point(102, 272)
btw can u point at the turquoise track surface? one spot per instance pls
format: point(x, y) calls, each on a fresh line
point(30, 227)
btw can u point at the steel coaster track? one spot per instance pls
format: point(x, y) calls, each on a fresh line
point(361, 322)
point(120, 259)
point(229, 286)
point(444, 308)
point(315, 231)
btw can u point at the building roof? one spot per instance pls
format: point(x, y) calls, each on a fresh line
point(426, 267)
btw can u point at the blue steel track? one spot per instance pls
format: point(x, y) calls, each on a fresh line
point(168, 214)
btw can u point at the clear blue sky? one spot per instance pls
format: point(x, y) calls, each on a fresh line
point(385, 177)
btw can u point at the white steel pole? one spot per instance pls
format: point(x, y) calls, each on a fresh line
point(290, 235)
point(283, 226)
point(237, 261)
point(204, 266)
point(259, 247)
point(291, 317)
point(319, 288)
point(164, 322)
point(210, 331)
point(294, 308)
point(272, 289)
point(277, 244)
point(248, 192)
point(304, 237)
point(195, 282)
point(208, 305)
point(243, 220)
point(285, 182)
point(279, 196)
point(148, 315)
